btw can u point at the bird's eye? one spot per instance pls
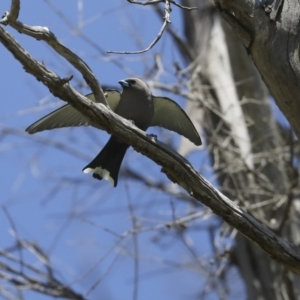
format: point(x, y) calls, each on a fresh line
point(131, 81)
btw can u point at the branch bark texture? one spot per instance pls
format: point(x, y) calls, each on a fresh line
point(274, 48)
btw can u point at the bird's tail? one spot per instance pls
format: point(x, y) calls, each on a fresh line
point(106, 164)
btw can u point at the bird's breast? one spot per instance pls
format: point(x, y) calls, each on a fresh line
point(140, 110)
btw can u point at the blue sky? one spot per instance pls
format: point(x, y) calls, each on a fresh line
point(64, 210)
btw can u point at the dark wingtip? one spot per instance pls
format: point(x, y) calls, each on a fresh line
point(199, 141)
point(196, 139)
point(29, 131)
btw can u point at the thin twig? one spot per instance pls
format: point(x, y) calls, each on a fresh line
point(135, 246)
point(148, 48)
point(43, 33)
point(159, 1)
point(183, 7)
point(158, 37)
point(164, 26)
point(14, 228)
point(146, 3)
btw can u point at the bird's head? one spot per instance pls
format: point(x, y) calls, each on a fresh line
point(134, 83)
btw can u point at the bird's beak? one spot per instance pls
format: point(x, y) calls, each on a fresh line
point(124, 83)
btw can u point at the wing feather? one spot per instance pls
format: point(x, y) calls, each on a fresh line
point(170, 115)
point(67, 116)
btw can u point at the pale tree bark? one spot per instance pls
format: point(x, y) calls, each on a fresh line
point(273, 46)
point(250, 156)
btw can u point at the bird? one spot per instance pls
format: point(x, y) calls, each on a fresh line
point(137, 104)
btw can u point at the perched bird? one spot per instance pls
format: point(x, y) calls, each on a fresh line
point(135, 103)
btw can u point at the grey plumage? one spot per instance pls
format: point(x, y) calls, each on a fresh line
point(135, 103)
point(67, 116)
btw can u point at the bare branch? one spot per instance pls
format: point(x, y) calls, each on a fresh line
point(146, 3)
point(14, 12)
point(33, 278)
point(43, 33)
point(159, 1)
point(135, 226)
point(149, 47)
point(159, 35)
point(164, 26)
point(182, 6)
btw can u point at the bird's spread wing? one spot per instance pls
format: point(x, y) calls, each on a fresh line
point(67, 116)
point(170, 115)
point(112, 97)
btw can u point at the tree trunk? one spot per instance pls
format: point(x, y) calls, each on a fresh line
point(250, 157)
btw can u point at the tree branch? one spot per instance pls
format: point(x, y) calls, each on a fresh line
point(173, 165)
point(159, 1)
point(159, 35)
point(43, 33)
point(166, 17)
